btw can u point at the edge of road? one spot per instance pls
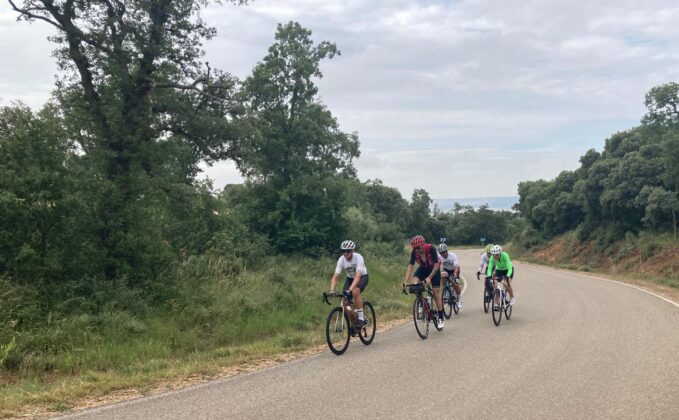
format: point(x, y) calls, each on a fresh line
point(296, 357)
point(599, 277)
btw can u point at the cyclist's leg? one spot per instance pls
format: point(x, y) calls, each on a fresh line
point(420, 274)
point(508, 286)
point(347, 283)
point(358, 299)
point(436, 287)
point(496, 299)
point(455, 275)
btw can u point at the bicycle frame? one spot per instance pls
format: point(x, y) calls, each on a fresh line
point(425, 301)
point(345, 304)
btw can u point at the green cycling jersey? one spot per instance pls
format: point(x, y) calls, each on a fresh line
point(503, 263)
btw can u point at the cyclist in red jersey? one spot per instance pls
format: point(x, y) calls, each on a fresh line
point(428, 269)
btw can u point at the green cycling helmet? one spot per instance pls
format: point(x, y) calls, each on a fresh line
point(488, 247)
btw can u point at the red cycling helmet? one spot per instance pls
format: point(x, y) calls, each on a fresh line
point(417, 241)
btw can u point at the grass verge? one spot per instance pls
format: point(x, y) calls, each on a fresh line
point(218, 325)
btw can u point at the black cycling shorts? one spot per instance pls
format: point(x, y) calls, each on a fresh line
point(423, 272)
point(362, 284)
point(503, 273)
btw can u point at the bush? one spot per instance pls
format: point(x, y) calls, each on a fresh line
point(530, 238)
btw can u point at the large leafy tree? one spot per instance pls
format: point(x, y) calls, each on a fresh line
point(295, 157)
point(142, 107)
point(294, 134)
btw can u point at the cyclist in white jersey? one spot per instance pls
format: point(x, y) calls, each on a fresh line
point(483, 266)
point(357, 277)
point(450, 269)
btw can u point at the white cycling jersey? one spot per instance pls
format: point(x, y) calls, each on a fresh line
point(483, 264)
point(356, 263)
point(451, 262)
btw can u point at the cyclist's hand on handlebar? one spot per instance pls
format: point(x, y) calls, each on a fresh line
point(478, 275)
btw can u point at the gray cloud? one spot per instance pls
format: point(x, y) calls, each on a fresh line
point(463, 98)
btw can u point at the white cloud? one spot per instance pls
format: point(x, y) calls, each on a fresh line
point(476, 82)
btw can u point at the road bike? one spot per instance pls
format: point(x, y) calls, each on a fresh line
point(424, 309)
point(340, 325)
point(500, 295)
point(450, 298)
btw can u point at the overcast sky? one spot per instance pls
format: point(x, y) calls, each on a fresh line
point(461, 98)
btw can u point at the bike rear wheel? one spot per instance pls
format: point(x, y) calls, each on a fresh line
point(497, 314)
point(337, 331)
point(487, 298)
point(448, 302)
point(367, 333)
point(508, 311)
point(421, 318)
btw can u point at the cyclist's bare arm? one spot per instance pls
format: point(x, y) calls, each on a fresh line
point(409, 273)
point(333, 282)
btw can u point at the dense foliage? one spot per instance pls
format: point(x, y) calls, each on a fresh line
point(105, 226)
point(630, 186)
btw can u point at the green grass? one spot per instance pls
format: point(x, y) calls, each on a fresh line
point(217, 320)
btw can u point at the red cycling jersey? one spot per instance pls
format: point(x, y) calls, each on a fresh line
point(429, 259)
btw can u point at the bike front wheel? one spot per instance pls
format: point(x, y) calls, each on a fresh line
point(337, 331)
point(497, 314)
point(367, 333)
point(421, 318)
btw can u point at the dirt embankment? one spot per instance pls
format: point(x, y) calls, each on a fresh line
point(646, 261)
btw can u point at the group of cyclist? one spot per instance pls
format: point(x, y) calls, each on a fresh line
point(433, 265)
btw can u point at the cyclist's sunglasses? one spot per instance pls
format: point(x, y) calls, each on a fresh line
point(347, 251)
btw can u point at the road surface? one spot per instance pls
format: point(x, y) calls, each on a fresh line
point(575, 347)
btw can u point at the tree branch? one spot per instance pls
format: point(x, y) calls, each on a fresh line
point(192, 86)
point(28, 14)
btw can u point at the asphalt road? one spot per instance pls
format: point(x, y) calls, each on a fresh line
point(575, 347)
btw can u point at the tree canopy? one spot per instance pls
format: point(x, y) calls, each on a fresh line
point(630, 186)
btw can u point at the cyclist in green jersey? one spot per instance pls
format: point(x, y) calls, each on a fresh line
point(499, 267)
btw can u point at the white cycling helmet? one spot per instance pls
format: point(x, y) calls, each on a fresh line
point(347, 246)
point(496, 250)
point(443, 248)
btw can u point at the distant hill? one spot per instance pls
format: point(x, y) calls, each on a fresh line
point(494, 203)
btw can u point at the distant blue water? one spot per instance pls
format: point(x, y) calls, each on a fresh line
point(494, 203)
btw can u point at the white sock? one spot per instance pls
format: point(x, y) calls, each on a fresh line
point(359, 312)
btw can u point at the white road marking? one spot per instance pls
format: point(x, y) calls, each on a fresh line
point(547, 268)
